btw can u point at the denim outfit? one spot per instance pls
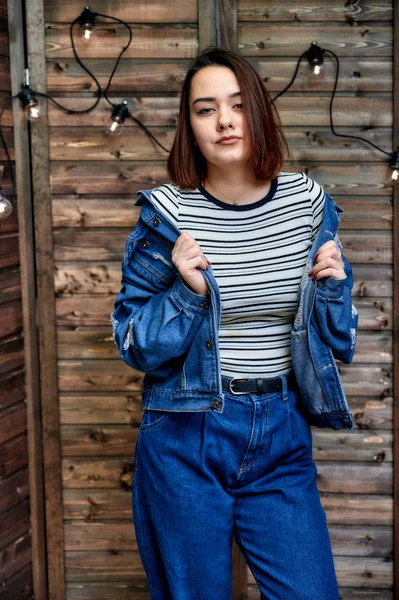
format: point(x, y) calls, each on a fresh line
point(210, 465)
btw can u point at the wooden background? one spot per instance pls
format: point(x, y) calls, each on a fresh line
point(15, 527)
point(93, 180)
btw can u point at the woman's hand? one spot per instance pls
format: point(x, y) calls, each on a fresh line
point(187, 255)
point(328, 262)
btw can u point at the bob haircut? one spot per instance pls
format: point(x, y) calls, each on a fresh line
point(187, 165)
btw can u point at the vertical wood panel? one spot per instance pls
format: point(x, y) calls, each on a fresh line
point(396, 302)
point(26, 249)
point(46, 307)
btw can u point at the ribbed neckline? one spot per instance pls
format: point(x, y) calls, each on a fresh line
point(227, 206)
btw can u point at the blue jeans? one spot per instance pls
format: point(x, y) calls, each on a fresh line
point(202, 477)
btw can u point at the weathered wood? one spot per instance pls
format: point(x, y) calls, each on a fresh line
point(137, 590)
point(12, 421)
point(143, 11)
point(11, 353)
point(92, 144)
point(13, 455)
point(40, 176)
point(159, 40)
point(13, 489)
point(10, 318)
point(9, 253)
point(371, 39)
point(314, 10)
point(91, 473)
point(87, 177)
point(360, 572)
point(361, 478)
point(395, 233)
point(12, 388)
point(10, 285)
point(207, 23)
point(142, 75)
point(19, 587)
point(14, 523)
point(13, 558)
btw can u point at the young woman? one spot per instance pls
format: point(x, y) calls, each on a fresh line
point(211, 278)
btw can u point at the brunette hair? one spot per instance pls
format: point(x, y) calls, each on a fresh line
point(187, 165)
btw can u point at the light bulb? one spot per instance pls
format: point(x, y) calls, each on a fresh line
point(32, 111)
point(87, 32)
point(118, 118)
point(5, 206)
point(315, 60)
point(87, 24)
point(395, 165)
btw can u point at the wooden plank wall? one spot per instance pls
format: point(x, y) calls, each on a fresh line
point(15, 533)
point(93, 183)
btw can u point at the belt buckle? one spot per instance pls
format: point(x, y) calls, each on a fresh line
point(232, 391)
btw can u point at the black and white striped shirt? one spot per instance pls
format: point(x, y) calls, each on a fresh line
point(258, 253)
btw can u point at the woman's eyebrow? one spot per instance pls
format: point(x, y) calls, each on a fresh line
point(210, 99)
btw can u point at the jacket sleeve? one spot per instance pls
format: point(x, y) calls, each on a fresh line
point(152, 325)
point(334, 316)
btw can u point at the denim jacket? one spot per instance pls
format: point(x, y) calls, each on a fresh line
point(170, 333)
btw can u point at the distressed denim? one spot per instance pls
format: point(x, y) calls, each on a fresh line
point(201, 478)
point(170, 333)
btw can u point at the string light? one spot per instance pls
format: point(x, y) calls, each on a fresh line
point(5, 206)
point(395, 166)
point(87, 25)
point(118, 118)
point(30, 103)
point(316, 64)
point(315, 59)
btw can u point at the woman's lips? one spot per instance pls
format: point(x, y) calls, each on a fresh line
point(232, 141)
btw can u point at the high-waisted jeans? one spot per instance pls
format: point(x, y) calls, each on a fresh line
point(201, 478)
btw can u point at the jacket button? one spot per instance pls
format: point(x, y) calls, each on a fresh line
point(145, 244)
point(205, 304)
point(216, 404)
point(156, 221)
point(209, 344)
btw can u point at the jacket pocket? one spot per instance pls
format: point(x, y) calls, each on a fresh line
point(152, 258)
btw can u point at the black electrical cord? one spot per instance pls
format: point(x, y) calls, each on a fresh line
point(304, 54)
point(293, 77)
point(353, 137)
point(8, 156)
point(120, 55)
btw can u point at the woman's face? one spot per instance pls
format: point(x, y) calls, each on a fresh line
point(222, 114)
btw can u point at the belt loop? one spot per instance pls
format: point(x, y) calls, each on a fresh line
point(285, 387)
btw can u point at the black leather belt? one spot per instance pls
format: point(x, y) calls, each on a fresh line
point(238, 385)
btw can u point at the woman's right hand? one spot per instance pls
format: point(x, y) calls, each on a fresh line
point(187, 255)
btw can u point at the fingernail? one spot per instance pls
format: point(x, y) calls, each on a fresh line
point(315, 277)
point(209, 263)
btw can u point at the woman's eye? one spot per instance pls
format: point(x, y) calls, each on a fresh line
point(201, 112)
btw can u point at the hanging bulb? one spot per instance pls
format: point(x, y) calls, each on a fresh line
point(87, 25)
point(395, 166)
point(316, 61)
point(5, 206)
point(30, 103)
point(118, 117)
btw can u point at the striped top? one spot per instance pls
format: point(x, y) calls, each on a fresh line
point(258, 253)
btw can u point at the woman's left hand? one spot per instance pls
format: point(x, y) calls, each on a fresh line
point(328, 262)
